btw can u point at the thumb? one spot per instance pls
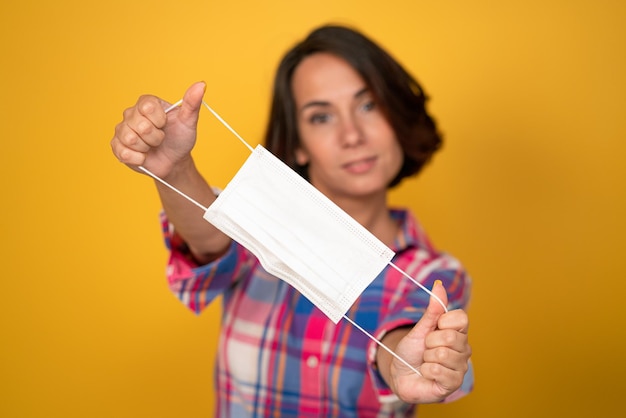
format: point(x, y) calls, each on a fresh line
point(434, 310)
point(192, 101)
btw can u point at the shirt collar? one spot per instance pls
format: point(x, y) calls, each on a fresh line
point(411, 234)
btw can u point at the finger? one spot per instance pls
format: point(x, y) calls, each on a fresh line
point(136, 138)
point(446, 378)
point(456, 320)
point(455, 359)
point(454, 340)
point(152, 109)
point(125, 154)
point(434, 310)
point(190, 107)
point(139, 131)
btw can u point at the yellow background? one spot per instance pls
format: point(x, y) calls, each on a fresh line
point(529, 191)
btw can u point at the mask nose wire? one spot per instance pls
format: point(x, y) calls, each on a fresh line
point(190, 199)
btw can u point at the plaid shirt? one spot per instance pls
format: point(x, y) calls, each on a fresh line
point(280, 356)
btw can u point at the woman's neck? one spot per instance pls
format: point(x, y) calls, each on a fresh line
point(373, 215)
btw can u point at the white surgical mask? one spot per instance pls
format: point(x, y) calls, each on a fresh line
point(298, 234)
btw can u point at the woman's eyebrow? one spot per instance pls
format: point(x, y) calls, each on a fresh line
point(361, 92)
point(315, 103)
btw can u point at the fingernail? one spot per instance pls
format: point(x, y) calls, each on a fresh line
point(437, 282)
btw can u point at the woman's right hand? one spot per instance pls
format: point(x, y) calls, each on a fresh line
point(160, 142)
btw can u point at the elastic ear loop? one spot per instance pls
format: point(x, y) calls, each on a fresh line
point(370, 336)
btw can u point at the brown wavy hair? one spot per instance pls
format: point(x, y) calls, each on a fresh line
point(398, 94)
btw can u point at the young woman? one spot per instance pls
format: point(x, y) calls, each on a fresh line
point(349, 119)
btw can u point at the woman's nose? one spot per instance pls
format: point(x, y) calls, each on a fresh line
point(351, 132)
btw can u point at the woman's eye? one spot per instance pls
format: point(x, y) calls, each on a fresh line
point(319, 118)
point(370, 105)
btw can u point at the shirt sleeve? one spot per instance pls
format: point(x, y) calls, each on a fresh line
point(409, 308)
point(196, 286)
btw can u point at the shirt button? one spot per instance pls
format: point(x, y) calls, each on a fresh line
point(312, 362)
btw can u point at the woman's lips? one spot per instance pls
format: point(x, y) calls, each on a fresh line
point(360, 166)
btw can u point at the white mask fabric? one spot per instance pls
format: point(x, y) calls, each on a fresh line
point(298, 234)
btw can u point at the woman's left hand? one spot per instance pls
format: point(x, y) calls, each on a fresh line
point(438, 347)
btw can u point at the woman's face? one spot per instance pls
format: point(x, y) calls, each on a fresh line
point(349, 146)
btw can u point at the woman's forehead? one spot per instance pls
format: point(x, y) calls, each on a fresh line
point(325, 78)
